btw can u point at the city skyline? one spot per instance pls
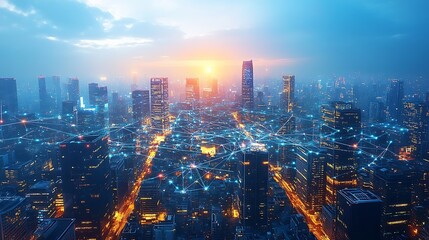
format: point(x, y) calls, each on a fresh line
point(161, 38)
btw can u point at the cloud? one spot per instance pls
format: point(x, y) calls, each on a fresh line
point(112, 43)
point(12, 8)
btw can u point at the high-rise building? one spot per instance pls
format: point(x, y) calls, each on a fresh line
point(310, 178)
point(159, 104)
point(415, 118)
point(253, 175)
point(148, 202)
point(395, 96)
point(8, 95)
point(141, 105)
point(288, 93)
point(42, 198)
point(393, 182)
point(55, 228)
point(86, 184)
point(358, 215)
point(73, 90)
point(14, 221)
point(192, 91)
point(215, 87)
point(56, 93)
point(341, 126)
point(247, 99)
point(93, 93)
point(43, 96)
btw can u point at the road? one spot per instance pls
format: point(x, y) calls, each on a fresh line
point(313, 220)
point(120, 217)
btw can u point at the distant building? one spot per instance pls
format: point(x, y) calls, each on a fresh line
point(55, 229)
point(395, 96)
point(247, 101)
point(192, 93)
point(141, 105)
point(159, 104)
point(86, 183)
point(253, 175)
point(8, 95)
point(73, 93)
point(415, 118)
point(288, 93)
point(148, 201)
point(358, 215)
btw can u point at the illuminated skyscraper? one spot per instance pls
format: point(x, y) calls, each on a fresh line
point(8, 95)
point(86, 184)
point(415, 118)
point(395, 96)
point(43, 96)
point(56, 93)
point(192, 91)
point(310, 178)
point(159, 104)
point(141, 105)
point(247, 99)
point(253, 174)
point(341, 125)
point(288, 93)
point(14, 222)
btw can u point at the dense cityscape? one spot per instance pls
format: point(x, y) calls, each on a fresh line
point(214, 120)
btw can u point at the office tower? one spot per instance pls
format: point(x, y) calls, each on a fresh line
point(253, 175)
point(358, 215)
point(14, 221)
point(192, 91)
point(159, 104)
point(247, 100)
point(8, 95)
point(43, 96)
point(215, 87)
point(395, 96)
point(377, 112)
point(393, 183)
point(415, 119)
point(259, 101)
point(120, 179)
point(56, 93)
point(341, 126)
point(93, 93)
point(165, 230)
point(73, 90)
point(18, 176)
point(288, 93)
point(148, 202)
point(42, 199)
point(55, 228)
point(310, 178)
point(118, 110)
point(141, 105)
point(69, 111)
point(86, 184)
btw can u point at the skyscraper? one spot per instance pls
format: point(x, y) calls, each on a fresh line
point(8, 95)
point(43, 96)
point(358, 215)
point(14, 222)
point(395, 96)
point(87, 184)
point(73, 90)
point(247, 100)
point(56, 93)
point(141, 105)
point(93, 93)
point(253, 175)
point(415, 118)
point(310, 178)
point(159, 104)
point(192, 91)
point(340, 128)
point(288, 93)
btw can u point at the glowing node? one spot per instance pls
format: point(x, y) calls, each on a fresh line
point(193, 165)
point(160, 175)
point(23, 121)
point(206, 188)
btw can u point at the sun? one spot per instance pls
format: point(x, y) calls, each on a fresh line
point(209, 69)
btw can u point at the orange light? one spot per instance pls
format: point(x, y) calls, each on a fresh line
point(355, 145)
point(23, 121)
point(1, 121)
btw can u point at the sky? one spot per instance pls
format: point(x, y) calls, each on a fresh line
point(193, 38)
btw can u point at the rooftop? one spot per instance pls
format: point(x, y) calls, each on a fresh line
point(356, 196)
